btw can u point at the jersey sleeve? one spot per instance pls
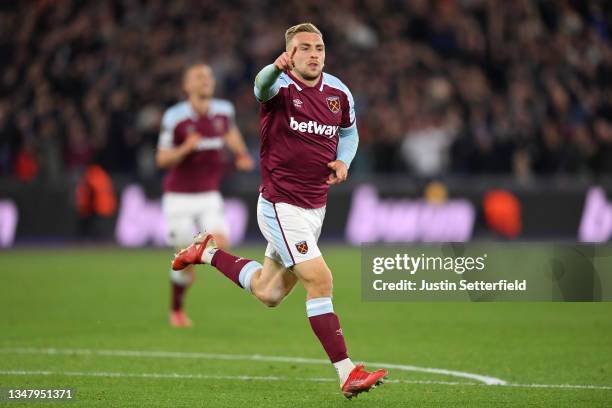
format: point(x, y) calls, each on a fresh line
point(166, 134)
point(348, 111)
point(267, 83)
point(231, 115)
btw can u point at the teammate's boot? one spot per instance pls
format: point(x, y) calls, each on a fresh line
point(179, 319)
point(193, 253)
point(359, 380)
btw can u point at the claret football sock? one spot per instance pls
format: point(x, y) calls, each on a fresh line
point(326, 327)
point(180, 281)
point(239, 270)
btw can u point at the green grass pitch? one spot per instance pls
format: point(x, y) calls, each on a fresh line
point(92, 305)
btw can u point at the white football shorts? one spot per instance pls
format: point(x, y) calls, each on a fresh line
point(292, 232)
point(189, 213)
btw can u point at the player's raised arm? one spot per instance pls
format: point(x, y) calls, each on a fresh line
point(265, 81)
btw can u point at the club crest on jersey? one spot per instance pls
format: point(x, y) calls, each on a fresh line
point(302, 247)
point(297, 103)
point(333, 103)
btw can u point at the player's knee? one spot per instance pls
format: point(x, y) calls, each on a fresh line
point(322, 286)
point(270, 298)
point(325, 289)
point(271, 301)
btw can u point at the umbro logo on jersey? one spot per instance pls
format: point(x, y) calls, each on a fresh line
point(297, 103)
point(313, 127)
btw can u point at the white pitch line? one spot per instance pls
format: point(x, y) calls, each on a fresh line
point(202, 376)
point(254, 357)
point(574, 386)
point(275, 378)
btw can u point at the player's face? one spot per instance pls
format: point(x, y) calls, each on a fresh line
point(309, 55)
point(200, 81)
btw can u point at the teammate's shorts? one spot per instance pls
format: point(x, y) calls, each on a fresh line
point(292, 232)
point(190, 213)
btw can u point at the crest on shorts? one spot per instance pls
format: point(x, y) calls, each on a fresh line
point(333, 103)
point(302, 247)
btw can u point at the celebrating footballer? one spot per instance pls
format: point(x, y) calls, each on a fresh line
point(308, 139)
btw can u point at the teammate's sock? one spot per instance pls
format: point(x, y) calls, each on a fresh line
point(326, 326)
point(239, 270)
point(180, 281)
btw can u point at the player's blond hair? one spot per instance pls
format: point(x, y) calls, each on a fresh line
point(300, 28)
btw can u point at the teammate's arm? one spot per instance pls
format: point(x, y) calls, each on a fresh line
point(170, 157)
point(235, 143)
point(265, 81)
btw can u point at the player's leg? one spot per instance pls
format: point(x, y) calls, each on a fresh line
point(211, 218)
point(316, 277)
point(270, 282)
point(181, 226)
point(312, 270)
point(294, 232)
point(221, 240)
point(273, 283)
point(180, 282)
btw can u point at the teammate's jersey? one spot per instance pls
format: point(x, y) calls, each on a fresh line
point(201, 170)
point(299, 136)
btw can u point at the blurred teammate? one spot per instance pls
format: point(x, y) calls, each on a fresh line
point(308, 140)
point(193, 135)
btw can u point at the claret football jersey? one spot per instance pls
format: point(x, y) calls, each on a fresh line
point(299, 137)
point(202, 169)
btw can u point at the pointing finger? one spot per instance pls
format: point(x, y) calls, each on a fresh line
point(292, 54)
point(287, 61)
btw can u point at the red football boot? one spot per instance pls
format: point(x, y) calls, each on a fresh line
point(193, 253)
point(359, 380)
point(179, 319)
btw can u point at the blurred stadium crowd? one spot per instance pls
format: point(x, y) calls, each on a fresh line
point(447, 86)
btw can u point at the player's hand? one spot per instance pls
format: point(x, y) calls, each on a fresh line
point(284, 62)
point(191, 141)
point(244, 162)
point(339, 172)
